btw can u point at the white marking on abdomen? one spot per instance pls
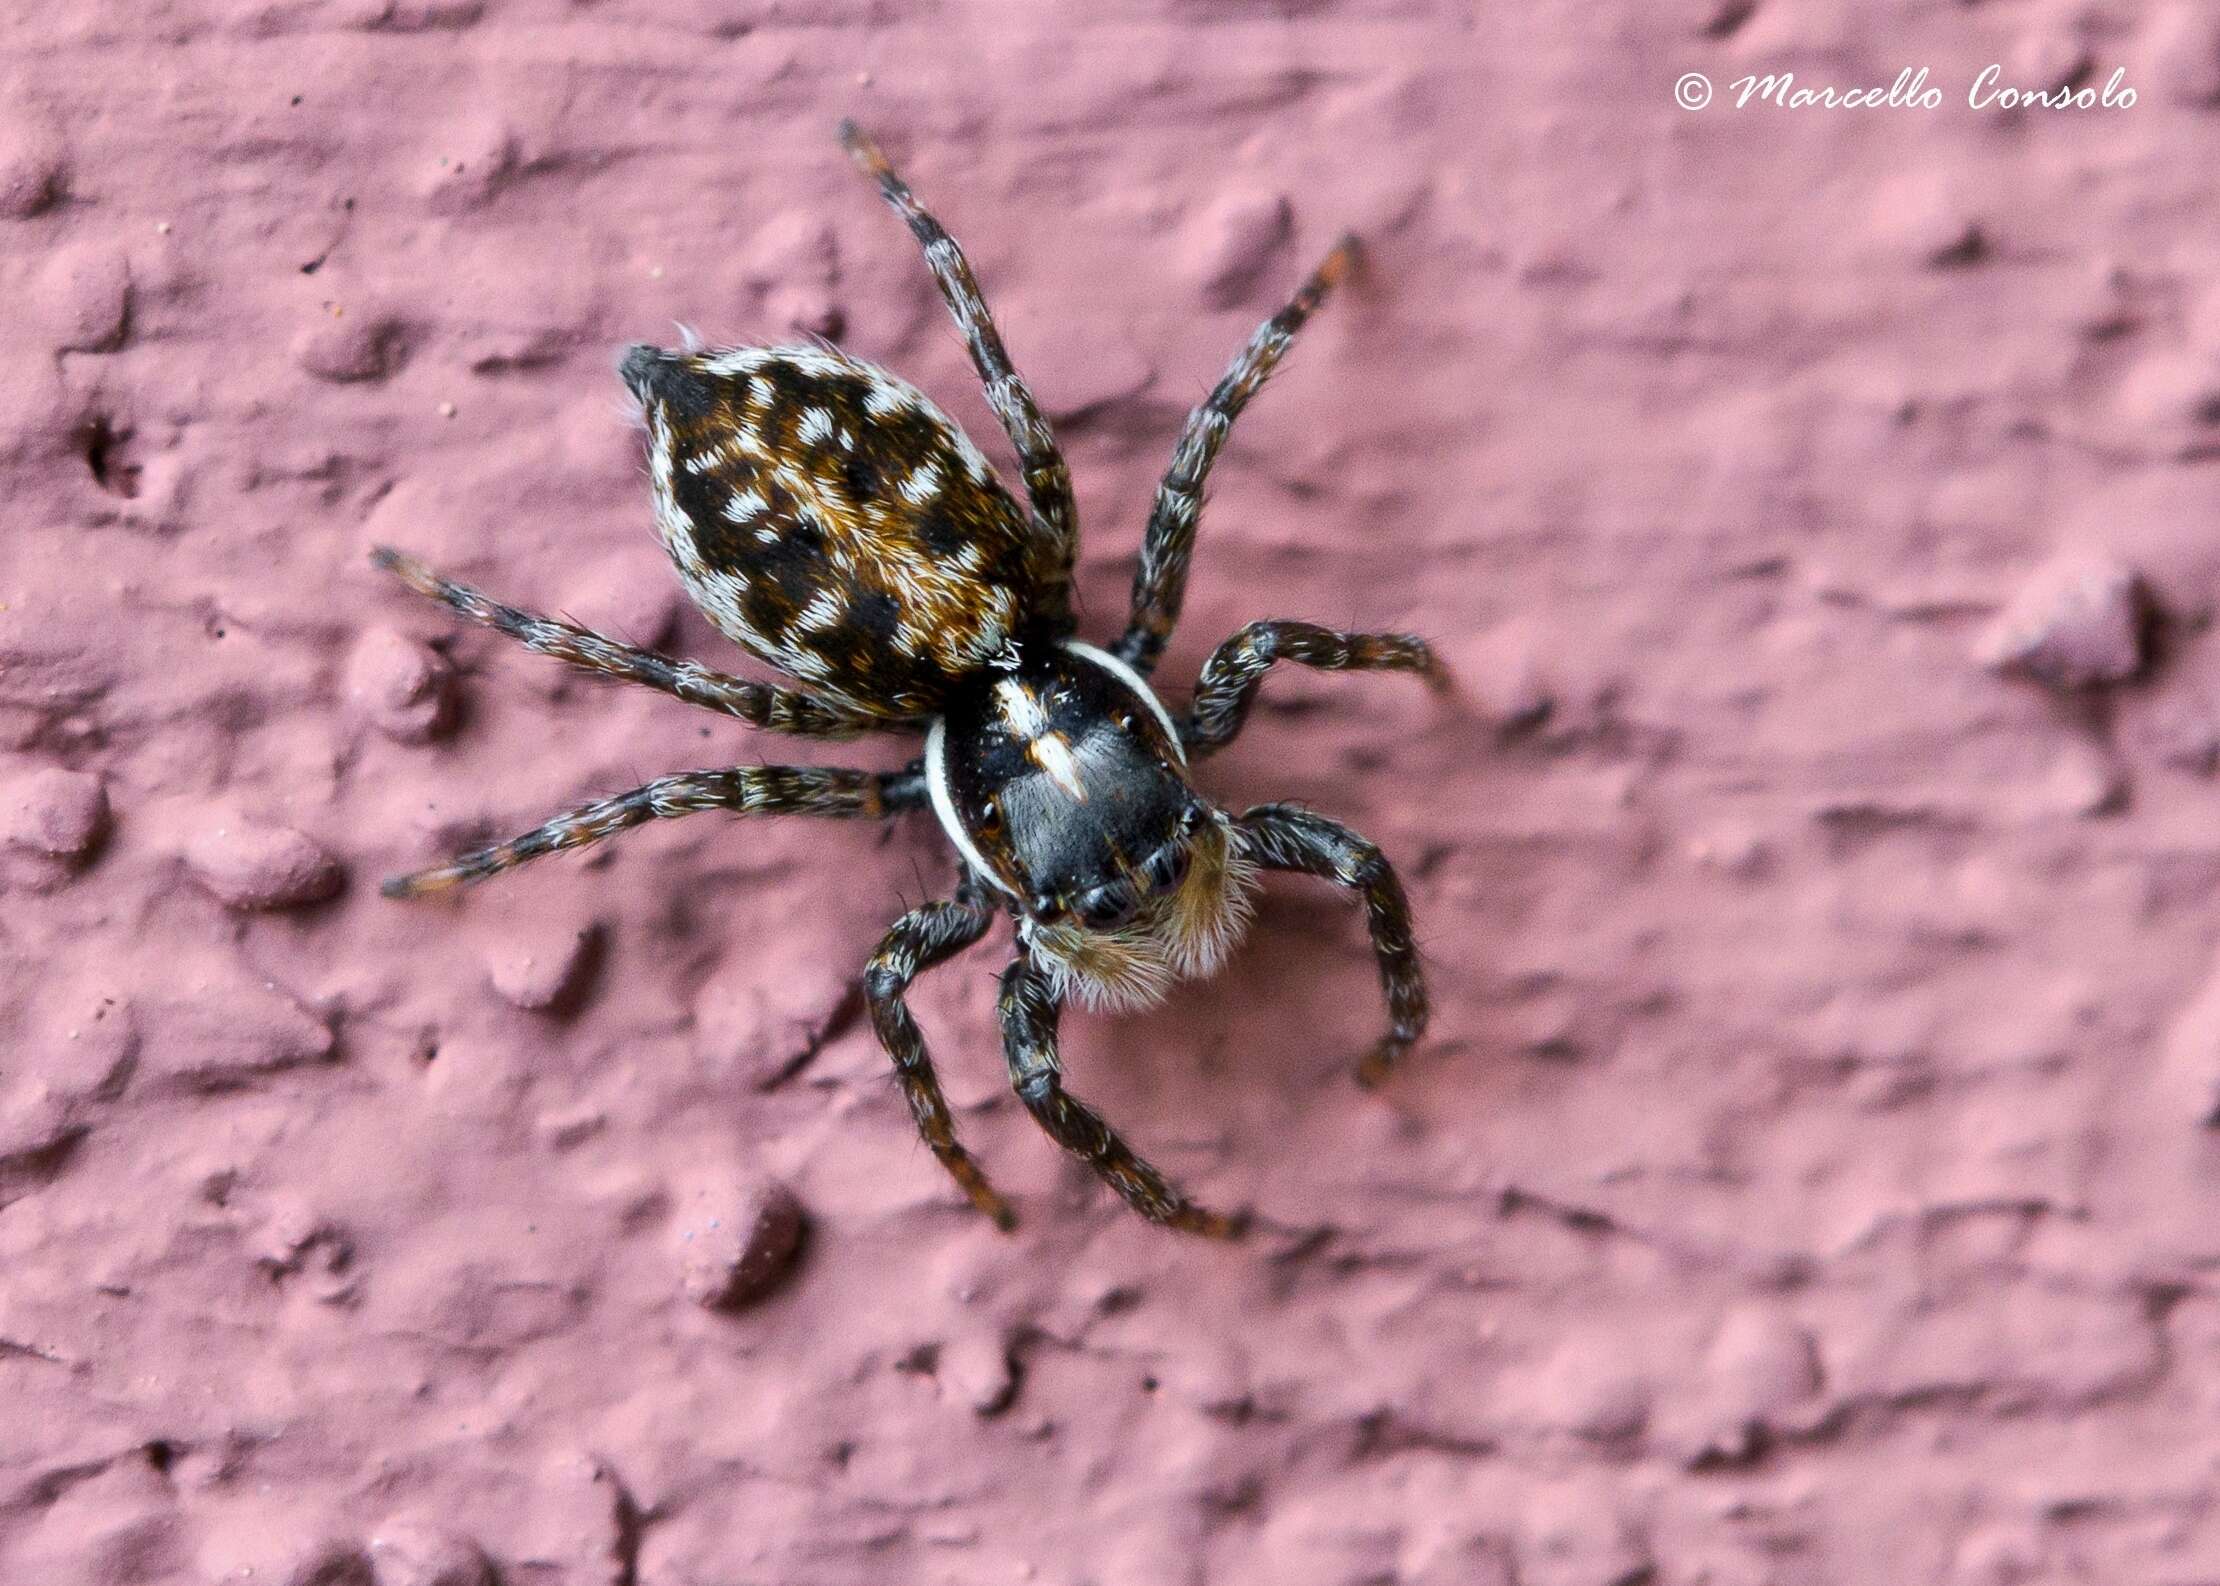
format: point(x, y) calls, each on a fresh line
point(824, 611)
point(921, 486)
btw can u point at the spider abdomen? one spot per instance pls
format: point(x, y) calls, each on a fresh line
point(828, 518)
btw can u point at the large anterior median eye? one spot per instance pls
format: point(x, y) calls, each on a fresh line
point(1107, 907)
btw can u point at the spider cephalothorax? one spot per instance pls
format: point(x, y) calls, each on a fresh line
point(1063, 783)
point(828, 518)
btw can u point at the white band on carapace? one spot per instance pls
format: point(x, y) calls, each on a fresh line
point(944, 806)
point(1131, 679)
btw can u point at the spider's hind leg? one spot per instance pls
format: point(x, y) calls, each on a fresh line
point(1285, 837)
point(1231, 675)
point(920, 940)
point(1029, 1016)
point(758, 704)
point(1168, 545)
point(1047, 479)
point(750, 790)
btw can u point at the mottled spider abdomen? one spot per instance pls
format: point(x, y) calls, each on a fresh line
point(830, 519)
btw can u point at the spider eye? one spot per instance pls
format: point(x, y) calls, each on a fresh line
point(990, 818)
point(1107, 907)
point(1168, 867)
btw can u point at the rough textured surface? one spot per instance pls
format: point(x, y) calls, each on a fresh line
point(1812, 1175)
point(2075, 625)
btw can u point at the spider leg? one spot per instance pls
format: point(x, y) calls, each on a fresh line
point(758, 704)
point(920, 940)
point(749, 790)
point(1160, 585)
point(1047, 480)
point(1030, 1013)
point(906, 789)
point(1284, 837)
point(1231, 675)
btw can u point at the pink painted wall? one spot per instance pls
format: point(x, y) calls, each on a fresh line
point(1810, 1177)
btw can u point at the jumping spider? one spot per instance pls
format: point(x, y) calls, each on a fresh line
point(830, 519)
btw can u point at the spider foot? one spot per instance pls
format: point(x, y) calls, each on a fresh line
point(864, 151)
point(409, 571)
point(973, 1182)
point(1209, 1224)
point(989, 1200)
point(1345, 255)
point(423, 883)
point(1379, 1061)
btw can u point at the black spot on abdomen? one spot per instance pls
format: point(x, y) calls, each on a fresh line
point(702, 497)
point(940, 533)
point(796, 563)
point(876, 613)
point(770, 610)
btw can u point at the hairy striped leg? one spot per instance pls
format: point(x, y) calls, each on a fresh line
point(1231, 675)
point(1047, 480)
point(1160, 586)
point(1284, 837)
point(758, 704)
point(747, 790)
point(1029, 1017)
point(921, 939)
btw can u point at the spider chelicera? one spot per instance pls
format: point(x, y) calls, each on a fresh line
point(831, 520)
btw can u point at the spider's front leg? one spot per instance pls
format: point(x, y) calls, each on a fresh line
point(1030, 1012)
point(1168, 545)
point(1231, 675)
point(920, 940)
point(747, 790)
point(1047, 479)
point(1285, 837)
point(757, 704)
